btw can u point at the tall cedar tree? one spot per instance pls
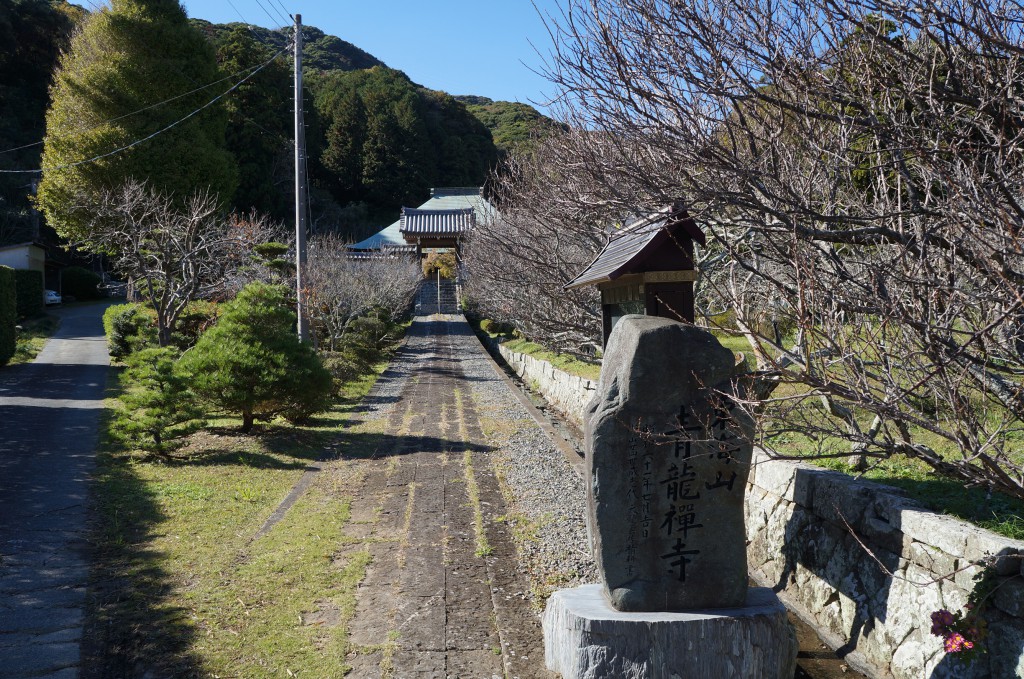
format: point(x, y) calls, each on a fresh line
point(260, 125)
point(126, 58)
point(252, 362)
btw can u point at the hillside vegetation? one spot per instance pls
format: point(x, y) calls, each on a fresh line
point(375, 139)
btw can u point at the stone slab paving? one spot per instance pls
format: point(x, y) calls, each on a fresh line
point(433, 604)
point(49, 412)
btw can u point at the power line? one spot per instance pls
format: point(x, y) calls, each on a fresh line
point(249, 25)
point(146, 108)
point(290, 15)
point(272, 19)
point(158, 132)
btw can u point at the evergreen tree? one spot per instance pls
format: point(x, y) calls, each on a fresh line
point(260, 125)
point(389, 140)
point(128, 57)
point(252, 362)
point(157, 409)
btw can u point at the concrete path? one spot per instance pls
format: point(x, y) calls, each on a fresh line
point(49, 411)
point(434, 604)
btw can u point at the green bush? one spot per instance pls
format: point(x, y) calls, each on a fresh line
point(129, 328)
point(28, 285)
point(157, 410)
point(497, 327)
point(80, 283)
point(363, 345)
point(8, 314)
point(198, 317)
point(252, 363)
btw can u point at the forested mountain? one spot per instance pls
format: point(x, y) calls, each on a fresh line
point(511, 123)
point(319, 51)
point(375, 139)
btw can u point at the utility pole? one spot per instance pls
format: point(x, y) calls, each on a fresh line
point(300, 186)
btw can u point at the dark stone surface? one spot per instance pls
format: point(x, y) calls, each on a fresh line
point(49, 415)
point(668, 455)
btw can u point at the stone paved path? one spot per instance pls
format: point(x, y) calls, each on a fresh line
point(49, 412)
point(443, 596)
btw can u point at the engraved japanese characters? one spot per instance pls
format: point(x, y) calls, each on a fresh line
point(668, 455)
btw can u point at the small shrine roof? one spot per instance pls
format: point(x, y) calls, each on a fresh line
point(637, 240)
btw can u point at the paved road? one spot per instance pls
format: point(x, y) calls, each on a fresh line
point(448, 609)
point(49, 412)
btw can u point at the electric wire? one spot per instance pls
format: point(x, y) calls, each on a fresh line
point(249, 25)
point(290, 15)
point(272, 19)
point(158, 132)
point(146, 108)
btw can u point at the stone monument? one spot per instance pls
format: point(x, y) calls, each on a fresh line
point(668, 455)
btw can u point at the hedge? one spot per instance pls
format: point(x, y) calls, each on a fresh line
point(8, 314)
point(28, 286)
point(80, 283)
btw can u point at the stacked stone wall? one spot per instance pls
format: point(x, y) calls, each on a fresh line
point(858, 561)
point(569, 394)
point(866, 567)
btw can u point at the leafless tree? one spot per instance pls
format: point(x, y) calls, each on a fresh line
point(172, 254)
point(341, 287)
point(857, 166)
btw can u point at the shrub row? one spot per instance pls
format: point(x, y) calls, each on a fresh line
point(28, 287)
point(8, 314)
point(80, 283)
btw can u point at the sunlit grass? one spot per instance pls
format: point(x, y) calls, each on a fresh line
point(32, 337)
point(184, 586)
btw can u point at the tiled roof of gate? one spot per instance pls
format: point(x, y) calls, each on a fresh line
point(416, 222)
point(444, 198)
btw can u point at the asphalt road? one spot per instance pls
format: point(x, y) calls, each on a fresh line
point(49, 412)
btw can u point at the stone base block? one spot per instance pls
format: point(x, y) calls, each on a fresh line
point(585, 637)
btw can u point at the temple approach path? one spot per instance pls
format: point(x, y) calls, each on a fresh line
point(444, 595)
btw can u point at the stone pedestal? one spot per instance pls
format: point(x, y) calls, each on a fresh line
point(585, 637)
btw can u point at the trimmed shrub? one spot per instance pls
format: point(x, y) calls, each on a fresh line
point(157, 410)
point(80, 283)
point(28, 286)
point(198, 317)
point(252, 363)
point(129, 328)
point(8, 314)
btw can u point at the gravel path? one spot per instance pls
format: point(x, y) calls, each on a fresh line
point(445, 594)
point(545, 496)
point(543, 489)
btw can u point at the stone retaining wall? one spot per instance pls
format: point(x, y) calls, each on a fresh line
point(809, 533)
point(568, 393)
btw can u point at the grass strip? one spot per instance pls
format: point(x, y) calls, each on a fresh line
point(180, 588)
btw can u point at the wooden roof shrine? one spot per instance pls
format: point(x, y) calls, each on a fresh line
point(436, 228)
point(647, 268)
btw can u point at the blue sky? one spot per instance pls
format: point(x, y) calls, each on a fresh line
point(480, 47)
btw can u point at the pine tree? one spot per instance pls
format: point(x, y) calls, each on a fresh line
point(252, 362)
point(157, 409)
point(128, 57)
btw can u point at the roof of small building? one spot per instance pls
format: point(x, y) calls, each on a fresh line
point(638, 238)
point(26, 244)
point(443, 198)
